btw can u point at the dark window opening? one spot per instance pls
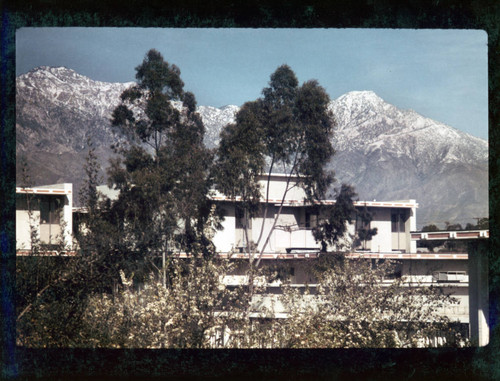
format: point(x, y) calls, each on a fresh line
point(242, 220)
point(50, 210)
point(308, 219)
point(398, 222)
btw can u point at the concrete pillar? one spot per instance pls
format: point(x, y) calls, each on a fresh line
point(68, 216)
point(413, 227)
point(478, 293)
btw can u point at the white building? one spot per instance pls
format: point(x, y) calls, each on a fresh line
point(292, 241)
point(293, 231)
point(47, 212)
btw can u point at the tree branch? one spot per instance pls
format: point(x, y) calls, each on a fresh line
point(267, 198)
point(277, 214)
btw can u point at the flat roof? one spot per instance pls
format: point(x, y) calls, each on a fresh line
point(289, 202)
point(58, 189)
point(218, 196)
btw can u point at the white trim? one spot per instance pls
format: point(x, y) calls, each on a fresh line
point(377, 204)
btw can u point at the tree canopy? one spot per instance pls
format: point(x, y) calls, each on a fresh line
point(163, 171)
point(289, 130)
point(333, 227)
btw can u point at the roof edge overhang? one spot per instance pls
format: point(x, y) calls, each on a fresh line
point(299, 203)
point(56, 190)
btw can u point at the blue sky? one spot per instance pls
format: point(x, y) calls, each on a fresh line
point(441, 74)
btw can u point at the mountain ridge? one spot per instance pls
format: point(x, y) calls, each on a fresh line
point(385, 152)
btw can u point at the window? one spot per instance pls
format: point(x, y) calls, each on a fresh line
point(239, 214)
point(241, 221)
point(450, 276)
point(360, 224)
point(398, 220)
point(50, 219)
point(50, 210)
point(310, 219)
point(394, 222)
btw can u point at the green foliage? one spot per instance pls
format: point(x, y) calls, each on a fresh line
point(241, 156)
point(158, 83)
point(280, 270)
point(483, 223)
point(291, 126)
point(52, 290)
point(88, 192)
point(51, 297)
point(186, 314)
point(163, 182)
point(364, 232)
point(334, 226)
point(326, 262)
point(430, 228)
point(314, 148)
point(354, 306)
point(163, 173)
point(164, 176)
point(450, 226)
point(98, 234)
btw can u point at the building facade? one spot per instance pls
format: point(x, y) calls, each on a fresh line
point(46, 212)
point(44, 216)
point(292, 242)
point(295, 220)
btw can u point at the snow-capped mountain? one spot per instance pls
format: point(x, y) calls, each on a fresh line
point(214, 119)
point(365, 118)
point(391, 154)
point(57, 109)
point(385, 152)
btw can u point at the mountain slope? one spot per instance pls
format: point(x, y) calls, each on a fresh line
point(390, 153)
point(56, 111)
point(385, 152)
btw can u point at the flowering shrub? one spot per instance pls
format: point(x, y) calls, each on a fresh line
point(355, 306)
point(184, 314)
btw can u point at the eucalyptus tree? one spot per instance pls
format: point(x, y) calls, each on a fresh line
point(333, 227)
point(146, 111)
point(162, 174)
point(288, 129)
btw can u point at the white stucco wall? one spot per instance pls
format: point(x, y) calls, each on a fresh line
point(23, 223)
point(413, 227)
point(290, 230)
point(224, 239)
point(68, 216)
point(277, 188)
point(23, 230)
point(381, 242)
